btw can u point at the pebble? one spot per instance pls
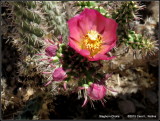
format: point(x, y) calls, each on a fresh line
point(151, 96)
point(126, 106)
point(4, 60)
point(9, 68)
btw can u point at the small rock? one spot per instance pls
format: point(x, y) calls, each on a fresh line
point(138, 104)
point(4, 60)
point(9, 68)
point(126, 107)
point(151, 96)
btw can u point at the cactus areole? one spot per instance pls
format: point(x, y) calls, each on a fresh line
point(92, 35)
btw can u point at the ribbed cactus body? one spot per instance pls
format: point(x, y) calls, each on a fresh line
point(137, 41)
point(35, 20)
point(94, 5)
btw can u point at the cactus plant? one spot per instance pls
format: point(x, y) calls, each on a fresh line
point(66, 51)
point(32, 25)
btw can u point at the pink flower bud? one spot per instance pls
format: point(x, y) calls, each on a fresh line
point(96, 91)
point(51, 50)
point(59, 74)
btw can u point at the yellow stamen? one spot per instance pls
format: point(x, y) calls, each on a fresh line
point(92, 42)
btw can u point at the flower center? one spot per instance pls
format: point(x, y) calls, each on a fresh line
point(92, 42)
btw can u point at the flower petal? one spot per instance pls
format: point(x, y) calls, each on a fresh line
point(107, 48)
point(85, 101)
point(109, 34)
point(101, 23)
point(82, 23)
point(85, 53)
point(74, 44)
point(88, 20)
point(74, 29)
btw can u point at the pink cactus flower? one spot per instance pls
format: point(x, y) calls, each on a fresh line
point(92, 35)
point(51, 50)
point(59, 74)
point(96, 91)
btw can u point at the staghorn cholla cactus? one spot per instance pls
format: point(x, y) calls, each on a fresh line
point(94, 5)
point(53, 34)
point(137, 41)
point(126, 14)
point(82, 79)
point(79, 71)
point(60, 60)
point(35, 20)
